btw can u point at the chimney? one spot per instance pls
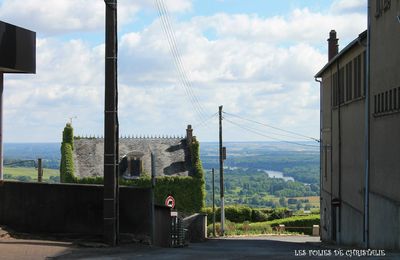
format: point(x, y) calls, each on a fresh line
point(333, 47)
point(189, 134)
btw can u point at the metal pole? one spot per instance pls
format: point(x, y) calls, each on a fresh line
point(40, 170)
point(367, 130)
point(1, 124)
point(213, 201)
point(110, 210)
point(221, 173)
point(153, 184)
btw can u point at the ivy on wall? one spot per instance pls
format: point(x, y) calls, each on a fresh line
point(188, 191)
point(67, 161)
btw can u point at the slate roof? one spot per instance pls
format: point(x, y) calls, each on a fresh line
point(172, 155)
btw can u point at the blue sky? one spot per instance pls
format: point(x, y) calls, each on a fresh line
point(257, 58)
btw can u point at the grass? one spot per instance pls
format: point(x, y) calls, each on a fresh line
point(17, 172)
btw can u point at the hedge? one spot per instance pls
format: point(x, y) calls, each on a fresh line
point(240, 214)
point(301, 224)
point(185, 190)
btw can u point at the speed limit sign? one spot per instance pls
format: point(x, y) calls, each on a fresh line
point(170, 202)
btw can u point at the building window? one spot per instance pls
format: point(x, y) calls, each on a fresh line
point(364, 72)
point(334, 90)
point(341, 86)
point(382, 103)
point(379, 103)
point(357, 76)
point(390, 100)
point(386, 102)
point(349, 81)
point(394, 98)
point(135, 167)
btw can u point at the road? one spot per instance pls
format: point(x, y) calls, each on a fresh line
point(260, 247)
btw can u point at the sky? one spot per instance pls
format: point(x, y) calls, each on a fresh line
point(257, 58)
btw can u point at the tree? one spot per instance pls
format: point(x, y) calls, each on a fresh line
point(282, 201)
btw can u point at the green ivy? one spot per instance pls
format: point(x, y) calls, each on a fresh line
point(67, 163)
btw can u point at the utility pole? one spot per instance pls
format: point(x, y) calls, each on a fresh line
point(213, 199)
point(110, 204)
point(221, 173)
point(1, 123)
point(153, 186)
point(40, 170)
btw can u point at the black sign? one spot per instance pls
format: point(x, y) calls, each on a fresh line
point(17, 49)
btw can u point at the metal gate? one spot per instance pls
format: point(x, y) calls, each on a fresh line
point(177, 232)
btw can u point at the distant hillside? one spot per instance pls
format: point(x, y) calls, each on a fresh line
point(299, 162)
point(15, 152)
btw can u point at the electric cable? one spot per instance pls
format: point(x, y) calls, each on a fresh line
point(276, 128)
point(267, 136)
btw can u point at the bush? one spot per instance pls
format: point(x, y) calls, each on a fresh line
point(245, 228)
point(236, 214)
point(24, 178)
point(258, 216)
point(301, 224)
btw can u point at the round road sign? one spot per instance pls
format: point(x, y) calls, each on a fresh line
point(170, 202)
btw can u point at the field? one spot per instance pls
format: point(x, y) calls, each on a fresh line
point(30, 174)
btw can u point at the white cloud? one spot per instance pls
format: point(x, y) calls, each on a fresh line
point(51, 17)
point(346, 6)
point(260, 68)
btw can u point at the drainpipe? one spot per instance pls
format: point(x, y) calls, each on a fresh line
point(340, 149)
point(320, 142)
point(367, 133)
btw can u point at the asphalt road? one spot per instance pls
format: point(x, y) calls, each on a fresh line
point(263, 247)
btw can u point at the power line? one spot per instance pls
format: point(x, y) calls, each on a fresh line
point(264, 135)
point(204, 123)
point(182, 72)
point(273, 133)
point(276, 128)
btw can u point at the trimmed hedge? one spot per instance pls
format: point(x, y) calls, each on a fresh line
point(240, 214)
point(185, 190)
point(237, 229)
point(300, 224)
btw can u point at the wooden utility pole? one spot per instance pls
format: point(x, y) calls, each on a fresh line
point(110, 208)
point(40, 170)
point(1, 123)
point(213, 199)
point(221, 173)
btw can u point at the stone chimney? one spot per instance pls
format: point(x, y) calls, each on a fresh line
point(333, 46)
point(189, 134)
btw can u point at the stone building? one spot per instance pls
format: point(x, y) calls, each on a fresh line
point(172, 156)
point(360, 126)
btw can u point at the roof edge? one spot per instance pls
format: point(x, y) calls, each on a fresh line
point(349, 46)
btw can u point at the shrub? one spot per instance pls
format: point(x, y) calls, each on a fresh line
point(301, 224)
point(258, 216)
point(238, 214)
